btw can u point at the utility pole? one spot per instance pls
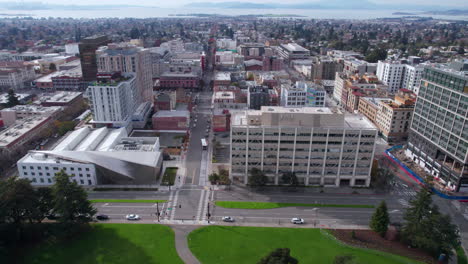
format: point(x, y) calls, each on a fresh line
point(208, 214)
point(157, 210)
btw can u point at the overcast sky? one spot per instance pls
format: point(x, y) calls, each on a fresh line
point(173, 3)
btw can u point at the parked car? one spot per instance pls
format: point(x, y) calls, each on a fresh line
point(53, 216)
point(228, 219)
point(297, 221)
point(102, 217)
point(133, 217)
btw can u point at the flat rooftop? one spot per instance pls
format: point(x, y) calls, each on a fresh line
point(303, 110)
point(330, 117)
point(60, 97)
point(20, 96)
point(18, 129)
point(222, 76)
point(34, 109)
point(293, 47)
point(172, 113)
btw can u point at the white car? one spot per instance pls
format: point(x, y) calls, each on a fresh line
point(228, 219)
point(133, 217)
point(297, 221)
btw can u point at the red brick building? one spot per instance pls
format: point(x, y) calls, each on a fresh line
point(175, 120)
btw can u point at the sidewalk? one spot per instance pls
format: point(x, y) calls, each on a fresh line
point(181, 232)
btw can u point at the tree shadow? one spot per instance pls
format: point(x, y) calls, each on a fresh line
point(100, 245)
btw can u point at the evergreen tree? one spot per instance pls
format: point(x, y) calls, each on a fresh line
point(279, 256)
point(380, 219)
point(71, 202)
point(52, 67)
point(17, 202)
point(12, 99)
point(426, 228)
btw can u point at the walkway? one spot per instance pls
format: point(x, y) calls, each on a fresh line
point(181, 233)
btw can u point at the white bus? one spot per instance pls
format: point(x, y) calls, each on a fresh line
point(204, 144)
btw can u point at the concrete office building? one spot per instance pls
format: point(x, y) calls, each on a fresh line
point(302, 94)
point(393, 117)
point(293, 51)
point(113, 99)
point(321, 145)
point(128, 58)
point(15, 75)
point(87, 48)
point(438, 139)
point(96, 157)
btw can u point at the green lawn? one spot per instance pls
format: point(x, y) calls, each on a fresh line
point(111, 244)
point(169, 176)
point(270, 205)
point(126, 201)
point(233, 244)
point(461, 257)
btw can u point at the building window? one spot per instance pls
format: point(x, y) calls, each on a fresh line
point(41, 180)
point(89, 182)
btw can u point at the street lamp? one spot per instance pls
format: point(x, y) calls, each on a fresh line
point(316, 215)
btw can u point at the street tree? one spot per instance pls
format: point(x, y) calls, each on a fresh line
point(380, 219)
point(71, 202)
point(426, 228)
point(52, 67)
point(224, 177)
point(213, 178)
point(279, 256)
point(257, 178)
point(290, 178)
point(381, 179)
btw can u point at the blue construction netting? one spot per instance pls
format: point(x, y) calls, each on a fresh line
point(418, 178)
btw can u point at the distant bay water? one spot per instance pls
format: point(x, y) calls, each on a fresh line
point(148, 12)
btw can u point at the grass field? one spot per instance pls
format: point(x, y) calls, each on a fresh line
point(126, 201)
point(461, 257)
point(169, 176)
point(233, 245)
point(269, 205)
point(111, 243)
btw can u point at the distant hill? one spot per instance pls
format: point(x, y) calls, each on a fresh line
point(452, 12)
point(322, 4)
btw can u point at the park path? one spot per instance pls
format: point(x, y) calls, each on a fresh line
point(181, 233)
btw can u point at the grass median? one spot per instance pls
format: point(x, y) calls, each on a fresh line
point(109, 243)
point(233, 245)
point(126, 201)
point(271, 205)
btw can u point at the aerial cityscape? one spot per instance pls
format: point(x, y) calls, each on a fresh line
point(219, 132)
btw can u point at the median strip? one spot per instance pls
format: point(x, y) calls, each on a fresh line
point(125, 201)
point(271, 205)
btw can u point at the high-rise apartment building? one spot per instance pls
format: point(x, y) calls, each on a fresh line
point(128, 58)
point(391, 74)
point(439, 132)
point(87, 48)
point(399, 74)
point(321, 146)
point(113, 99)
point(412, 77)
